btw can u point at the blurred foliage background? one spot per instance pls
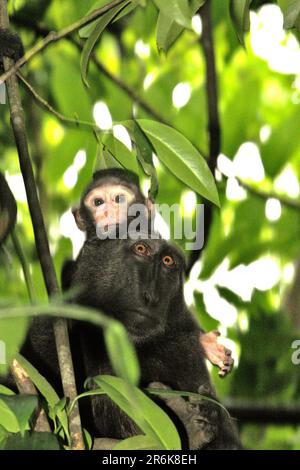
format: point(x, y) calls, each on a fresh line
point(247, 280)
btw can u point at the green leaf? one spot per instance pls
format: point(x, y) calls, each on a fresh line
point(291, 14)
point(104, 159)
point(87, 30)
point(88, 441)
point(8, 419)
point(121, 153)
point(148, 416)
point(34, 441)
point(93, 38)
point(181, 158)
point(122, 353)
point(177, 10)
point(5, 390)
point(138, 443)
point(144, 155)
point(45, 389)
point(21, 406)
point(168, 30)
point(240, 15)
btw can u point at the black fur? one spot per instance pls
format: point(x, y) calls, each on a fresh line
point(10, 46)
point(147, 297)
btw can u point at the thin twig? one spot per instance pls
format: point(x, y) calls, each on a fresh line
point(286, 202)
point(44, 31)
point(41, 240)
point(54, 36)
point(50, 109)
point(26, 387)
point(123, 86)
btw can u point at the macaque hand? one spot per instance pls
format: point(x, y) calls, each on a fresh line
point(198, 417)
point(216, 353)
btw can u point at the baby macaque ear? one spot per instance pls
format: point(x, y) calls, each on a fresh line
point(80, 222)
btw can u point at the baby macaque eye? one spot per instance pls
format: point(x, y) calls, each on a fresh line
point(98, 201)
point(120, 199)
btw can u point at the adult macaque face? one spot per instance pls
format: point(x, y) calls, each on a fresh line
point(108, 204)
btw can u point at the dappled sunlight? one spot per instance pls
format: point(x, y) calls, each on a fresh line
point(69, 229)
point(265, 133)
point(273, 209)
point(142, 49)
point(234, 192)
point(148, 80)
point(270, 42)
point(120, 133)
point(53, 132)
point(287, 182)
point(17, 187)
point(181, 95)
point(188, 203)
point(288, 273)
point(70, 176)
point(247, 163)
point(102, 116)
point(197, 24)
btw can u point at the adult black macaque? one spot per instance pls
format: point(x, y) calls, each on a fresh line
point(105, 204)
point(140, 283)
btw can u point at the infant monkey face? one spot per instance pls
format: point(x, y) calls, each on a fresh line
point(109, 204)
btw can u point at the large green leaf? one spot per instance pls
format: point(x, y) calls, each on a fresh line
point(19, 406)
point(144, 155)
point(169, 30)
point(121, 153)
point(181, 158)
point(177, 10)
point(93, 38)
point(45, 389)
point(34, 441)
point(8, 419)
point(122, 353)
point(291, 13)
point(148, 416)
point(104, 158)
point(86, 31)
point(240, 15)
point(6, 391)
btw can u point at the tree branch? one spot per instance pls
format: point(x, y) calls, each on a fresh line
point(41, 240)
point(287, 202)
point(264, 413)
point(123, 86)
point(25, 386)
point(44, 104)
point(54, 36)
point(214, 129)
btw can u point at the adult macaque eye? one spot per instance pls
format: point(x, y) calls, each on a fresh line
point(120, 199)
point(168, 261)
point(98, 201)
point(141, 249)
